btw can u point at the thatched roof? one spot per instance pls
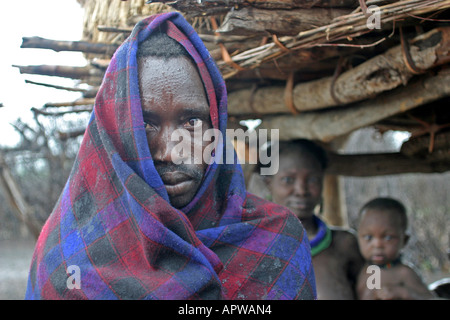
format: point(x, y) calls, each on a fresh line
point(312, 69)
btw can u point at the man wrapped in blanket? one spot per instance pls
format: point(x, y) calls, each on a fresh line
point(137, 220)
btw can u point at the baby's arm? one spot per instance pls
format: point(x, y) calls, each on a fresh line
point(410, 287)
point(416, 288)
point(362, 290)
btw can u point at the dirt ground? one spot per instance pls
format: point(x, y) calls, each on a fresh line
point(15, 258)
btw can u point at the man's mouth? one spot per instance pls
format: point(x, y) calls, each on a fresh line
point(176, 183)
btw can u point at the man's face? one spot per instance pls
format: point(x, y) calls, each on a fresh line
point(173, 98)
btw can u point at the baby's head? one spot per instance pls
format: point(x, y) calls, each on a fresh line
point(382, 230)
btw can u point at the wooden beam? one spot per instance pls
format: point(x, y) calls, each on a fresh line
point(330, 124)
point(201, 8)
point(61, 71)
point(344, 27)
point(60, 113)
point(438, 142)
point(57, 45)
point(379, 74)
point(114, 29)
point(79, 102)
point(253, 21)
point(70, 134)
point(87, 93)
point(16, 199)
point(332, 210)
point(370, 165)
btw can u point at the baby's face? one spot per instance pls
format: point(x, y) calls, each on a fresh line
point(380, 236)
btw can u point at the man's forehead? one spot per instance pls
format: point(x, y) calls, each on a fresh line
point(171, 85)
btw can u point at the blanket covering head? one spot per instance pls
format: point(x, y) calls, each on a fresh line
point(113, 233)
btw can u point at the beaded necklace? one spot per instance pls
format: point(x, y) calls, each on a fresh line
point(323, 238)
point(391, 264)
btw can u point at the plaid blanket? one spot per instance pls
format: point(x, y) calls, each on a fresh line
point(114, 231)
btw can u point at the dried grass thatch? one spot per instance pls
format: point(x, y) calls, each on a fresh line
point(116, 13)
point(346, 27)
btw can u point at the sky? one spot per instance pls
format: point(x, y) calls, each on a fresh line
point(51, 19)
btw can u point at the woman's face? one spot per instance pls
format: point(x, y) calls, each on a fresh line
point(298, 182)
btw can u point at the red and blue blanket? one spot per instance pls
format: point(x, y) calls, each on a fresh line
point(114, 225)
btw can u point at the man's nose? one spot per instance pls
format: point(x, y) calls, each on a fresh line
point(166, 146)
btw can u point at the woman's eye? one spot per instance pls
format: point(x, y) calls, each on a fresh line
point(287, 180)
point(314, 180)
point(367, 237)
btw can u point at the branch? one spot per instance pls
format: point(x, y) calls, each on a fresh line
point(87, 93)
point(252, 21)
point(71, 134)
point(330, 124)
point(61, 71)
point(16, 199)
point(343, 27)
point(381, 73)
point(208, 7)
point(80, 102)
point(57, 45)
point(114, 29)
point(60, 113)
point(369, 165)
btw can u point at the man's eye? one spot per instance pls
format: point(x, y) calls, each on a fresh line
point(193, 123)
point(148, 126)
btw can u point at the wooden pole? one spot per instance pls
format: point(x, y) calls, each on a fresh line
point(80, 102)
point(17, 201)
point(201, 8)
point(333, 211)
point(61, 71)
point(87, 93)
point(327, 125)
point(379, 74)
point(58, 45)
point(253, 21)
point(381, 164)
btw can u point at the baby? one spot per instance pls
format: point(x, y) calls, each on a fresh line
point(381, 237)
